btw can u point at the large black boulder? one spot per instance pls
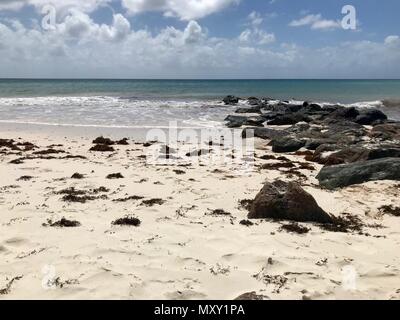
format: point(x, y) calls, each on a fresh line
point(263, 133)
point(370, 117)
point(356, 173)
point(289, 119)
point(287, 201)
point(388, 131)
point(239, 121)
point(249, 110)
point(287, 144)
point(231, 100)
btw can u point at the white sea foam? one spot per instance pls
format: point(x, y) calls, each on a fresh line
point(113, 112)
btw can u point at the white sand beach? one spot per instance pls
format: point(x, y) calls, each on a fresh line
point(181, 249)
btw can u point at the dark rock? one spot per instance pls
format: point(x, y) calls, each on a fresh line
point(347, 155)
point(238, 121)
point(253, 101)
point(370, 116)
point(287, 201)
point(389, 131)
point(287, 144)
point(356, 173)
point(313, 144)
point(383, 153)
point(263, 133)
point(288, 119)
point(319, 154)
point(348, 113)
point(248, 110)
point(311, 108)
point(299, 127)
point(230, 100)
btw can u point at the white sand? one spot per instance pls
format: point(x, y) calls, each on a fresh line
point(189, 255)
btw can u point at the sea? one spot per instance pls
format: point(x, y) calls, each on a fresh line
point(160, 103)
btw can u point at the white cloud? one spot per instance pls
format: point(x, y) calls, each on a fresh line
point(254, 34)
point(316, 22)
point(255, 18)
point(80, 47)
point(61, 5)
point(183, 9)
point(392, 41)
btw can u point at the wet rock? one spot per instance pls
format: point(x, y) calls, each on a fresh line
point(248, 110)
point(263, 133)
point(314, 144)
point(356, 173)
point(287, 201)
point(239, 121)
point(389, 131)
point(384, 152)
point(370, 117)
point(231, 100)
point(350, 113)
point(289, 119)
point(253, 101)
point(299, 127)
point(287, 144)
point(347, 155)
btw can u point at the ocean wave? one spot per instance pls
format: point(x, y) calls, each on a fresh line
point(104, 101)
point(389, 103)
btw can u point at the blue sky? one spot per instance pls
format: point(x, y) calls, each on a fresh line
point(199, 39)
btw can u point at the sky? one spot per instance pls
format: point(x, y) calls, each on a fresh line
point(199, 39)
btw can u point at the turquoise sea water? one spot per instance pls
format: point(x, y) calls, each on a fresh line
point(156, 102)
point(345, 91)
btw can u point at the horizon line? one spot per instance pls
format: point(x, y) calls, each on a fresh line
point(204, 79)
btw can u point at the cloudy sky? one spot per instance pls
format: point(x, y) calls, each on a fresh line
point(198, 39)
